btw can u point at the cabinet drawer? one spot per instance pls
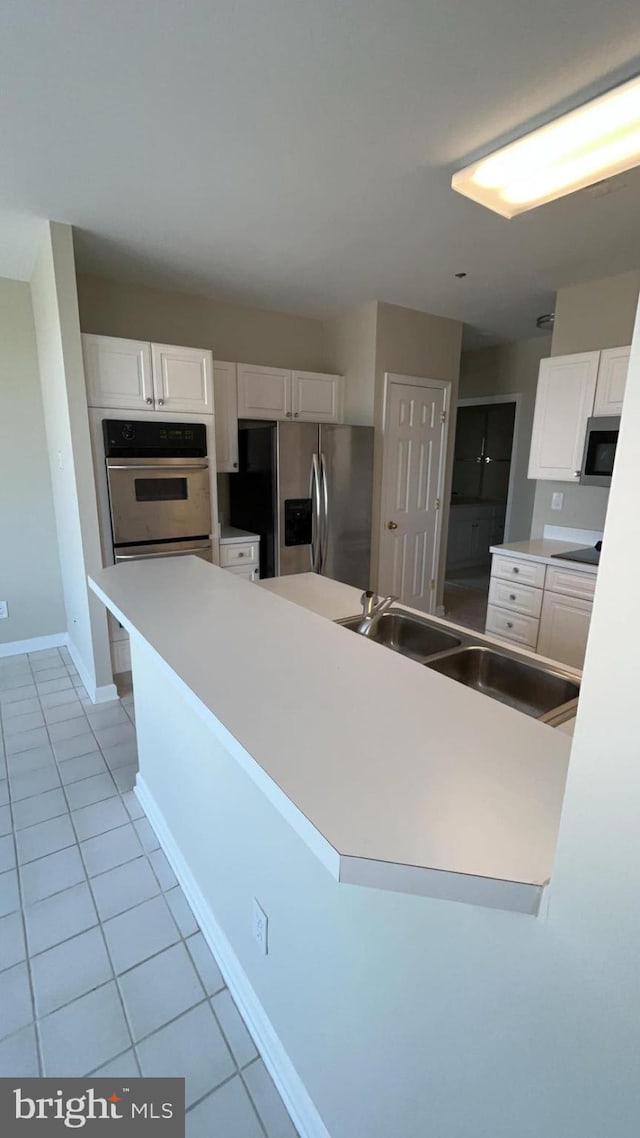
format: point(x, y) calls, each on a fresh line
point(524, 572)
point(251, 572)
point(512, 626)
point(517, 597)
point(238, 553)
point(572, 584)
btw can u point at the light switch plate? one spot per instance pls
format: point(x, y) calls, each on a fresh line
point(4, 610)
point(556, 500)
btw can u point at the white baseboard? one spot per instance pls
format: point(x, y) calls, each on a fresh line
point(35, 644)
point(293, 1092)
point(102, 694)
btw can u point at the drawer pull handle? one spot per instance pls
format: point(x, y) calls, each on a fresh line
point(515, 569)
point(509, 624)
point(512, 596)
point(241, 555)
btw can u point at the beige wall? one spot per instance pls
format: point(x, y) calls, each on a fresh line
point(362, 344)
point(351, 349)
point(510, 369)
point(29, 565)
point(595, 315)
point(55, 310)
point(232, 331)
point(591, 316)
point(409, 342)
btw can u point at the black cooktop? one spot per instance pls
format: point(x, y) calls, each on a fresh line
point(590, 555)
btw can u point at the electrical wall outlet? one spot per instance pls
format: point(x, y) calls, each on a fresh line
point(4, 610)
point(556, 501)
point(260, 927)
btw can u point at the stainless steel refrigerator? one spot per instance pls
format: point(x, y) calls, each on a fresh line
point(305, 488)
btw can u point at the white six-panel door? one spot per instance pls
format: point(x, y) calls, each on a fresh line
point(413, 466)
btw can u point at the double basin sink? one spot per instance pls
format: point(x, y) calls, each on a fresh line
point(544, 691)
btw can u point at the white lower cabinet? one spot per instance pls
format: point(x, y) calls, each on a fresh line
point(240, 553)
point(543, 607)
point(251, 572)
point(564, 628)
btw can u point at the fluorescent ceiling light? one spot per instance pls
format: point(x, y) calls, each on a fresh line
point(596, 141)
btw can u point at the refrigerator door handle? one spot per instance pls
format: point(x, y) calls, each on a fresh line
point(314, 494)
point(324, 528)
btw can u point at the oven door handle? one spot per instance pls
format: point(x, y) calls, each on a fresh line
point(167, 553)
point(157, 466)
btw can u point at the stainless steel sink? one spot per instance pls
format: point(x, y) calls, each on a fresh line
point(535, 689)
point(406, 634)
point(544, 691)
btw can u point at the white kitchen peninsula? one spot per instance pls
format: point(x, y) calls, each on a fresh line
point(394, 776)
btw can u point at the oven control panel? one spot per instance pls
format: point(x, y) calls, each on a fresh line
point(134, 439)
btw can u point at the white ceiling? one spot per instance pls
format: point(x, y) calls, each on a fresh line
point(297, 154)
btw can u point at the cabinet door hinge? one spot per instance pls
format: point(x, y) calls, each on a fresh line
point(437, 506)
point(433, 583)
point(443, 416)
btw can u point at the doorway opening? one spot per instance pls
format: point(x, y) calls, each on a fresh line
point(481, 490)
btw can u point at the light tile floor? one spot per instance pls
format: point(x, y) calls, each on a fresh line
point(103, 969)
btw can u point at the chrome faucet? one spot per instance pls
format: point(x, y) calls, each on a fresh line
point(373, 607)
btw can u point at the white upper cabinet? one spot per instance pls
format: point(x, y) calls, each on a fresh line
point(225, 401)
point(118, 372)
point(182, 379)
point(316, 397)
point(564, 402)
point(612, 378)
point(134, 375)
point(273, 393)
point(263, 392)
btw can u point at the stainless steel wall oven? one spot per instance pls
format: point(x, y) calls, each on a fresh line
point(158, 481)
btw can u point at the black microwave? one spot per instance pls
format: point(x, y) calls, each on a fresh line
point(599, 451)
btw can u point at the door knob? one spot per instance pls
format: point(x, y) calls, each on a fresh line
point(392, 525)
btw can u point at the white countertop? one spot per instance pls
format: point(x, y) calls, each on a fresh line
point(229, 535)
point(394, 775)
point(544, 549)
